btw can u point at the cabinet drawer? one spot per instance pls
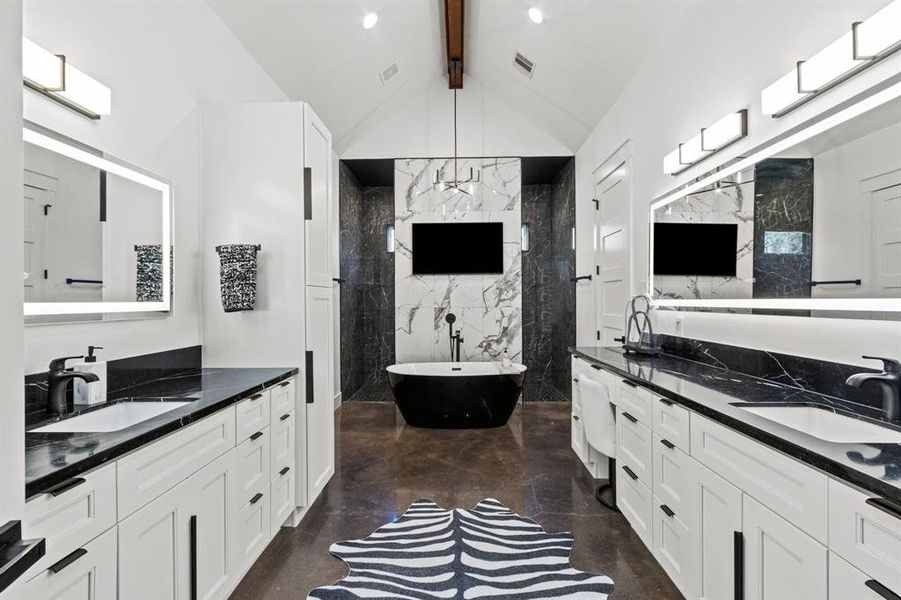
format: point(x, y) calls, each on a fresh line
point(672, 545)
point(81, 510)
point(90, 574)
point(795, 491)
point(147, 473)
point(636, 401)
point(281, 400)
point(671, 423)
point(633, 447)
point(865, 535)
point(252, 415)
point(282, 444)
point(252, 472)
point(845, 581)
point(577, 437)
point(251, 532)
point(282, 499)
point(672, 476)
point(635, 500)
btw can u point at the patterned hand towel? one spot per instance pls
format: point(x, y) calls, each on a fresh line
point(149, 273)
point(238, 276)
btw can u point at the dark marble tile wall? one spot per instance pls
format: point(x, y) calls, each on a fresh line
point(783, 190)
point(548, 302)
point(367, 295)
point(121, 374)
point(796, 371)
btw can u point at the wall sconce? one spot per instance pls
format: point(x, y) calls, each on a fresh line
point(524, 234)
point(51, 75)
point(710, 140)
point(389, 238)
point(865, 44)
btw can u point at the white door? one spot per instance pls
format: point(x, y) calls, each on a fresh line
point(208, 523)
point(714, 520)
point(613, 285)
point(781, 562)
point(153, 550)
point(89, 573)
point(320, 411)
point(317, 199)
point(887, 241)
point(37, 207)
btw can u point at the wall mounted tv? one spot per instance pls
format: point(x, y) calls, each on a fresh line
point(458, 248)
point(695, 249)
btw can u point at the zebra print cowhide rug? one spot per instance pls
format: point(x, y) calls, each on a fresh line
point(486, 552)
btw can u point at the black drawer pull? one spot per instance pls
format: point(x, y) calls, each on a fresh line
point(738, 565)
point(667, 511)
point(257, 435)
point(284, 417)
point(886, 506)
point(256, 498)
point(665, 401)
point(285, 470)
point(595, 367)
point(256, 397)
point(284, 384)
point(630, 417)
point(576, 380)
point(629, 383)
point(630, 472)
point(192, 533)
point(67, 560)
point(575, 417)
point(668, 444)
point(65, 486)
point(881, 590)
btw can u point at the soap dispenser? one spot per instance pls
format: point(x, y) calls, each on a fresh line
point(87, 394)
point(505, 360)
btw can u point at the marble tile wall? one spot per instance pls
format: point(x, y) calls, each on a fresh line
point(121, 374)
point(564, 299)
point(783, 204)
point(488, 307)
point(367, 294)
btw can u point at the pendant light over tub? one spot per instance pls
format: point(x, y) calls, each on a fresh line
point(444, 183)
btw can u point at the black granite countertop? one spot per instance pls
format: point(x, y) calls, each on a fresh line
point(51, 458)
point(711, 391)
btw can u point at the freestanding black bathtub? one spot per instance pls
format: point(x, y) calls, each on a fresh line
point(449, 395)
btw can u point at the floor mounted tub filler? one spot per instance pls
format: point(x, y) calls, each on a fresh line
point(455, 395)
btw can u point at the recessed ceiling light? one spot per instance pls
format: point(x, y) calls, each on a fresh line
point(370, 20)
point(536, 15)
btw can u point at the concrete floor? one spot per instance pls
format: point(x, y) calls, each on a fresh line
point(384, 465)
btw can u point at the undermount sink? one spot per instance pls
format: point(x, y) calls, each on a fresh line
point(112, 418)
point(825, 424)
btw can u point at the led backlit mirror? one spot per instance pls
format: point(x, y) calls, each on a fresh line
point(97, 233)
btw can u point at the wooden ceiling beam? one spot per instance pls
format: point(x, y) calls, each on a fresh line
point(453, 33)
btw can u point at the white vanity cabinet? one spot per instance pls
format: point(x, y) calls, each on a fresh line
point(721, 511)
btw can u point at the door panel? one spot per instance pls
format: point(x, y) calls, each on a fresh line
point(714, 517)
point(208, 505)
point(320, 418)
point(317, 158)
point(613, 252)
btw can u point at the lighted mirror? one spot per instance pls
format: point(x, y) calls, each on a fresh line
point(97, 233)
point(810, 223)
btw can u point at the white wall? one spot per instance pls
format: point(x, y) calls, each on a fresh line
point(12, 400)
point(419, 124)
point(253, 191)
point(160, 59)
point(723, 56)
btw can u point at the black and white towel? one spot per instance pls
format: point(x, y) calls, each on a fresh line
point(149, 273)
point(486, 552)
point(238, 276)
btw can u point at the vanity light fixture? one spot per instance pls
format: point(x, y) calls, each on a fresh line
point(370, 20)
point(710, 140)
point(52, 76)
point(536, 16)
point(390, 239)
point(866, 43)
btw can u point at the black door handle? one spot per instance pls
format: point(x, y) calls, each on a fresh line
point(192, 528)
point(309, 375)
point(67, 560)
point(580, 278)
point(338, 280)
point(738, 566)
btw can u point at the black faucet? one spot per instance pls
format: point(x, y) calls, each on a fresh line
point(455, 340)
point(889, 380)
point(57, 380)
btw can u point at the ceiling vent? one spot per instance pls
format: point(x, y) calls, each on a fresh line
point(386, 74)
point(523, 65)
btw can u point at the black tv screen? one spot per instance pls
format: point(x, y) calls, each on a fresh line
point(458, 248)
point(695, 249)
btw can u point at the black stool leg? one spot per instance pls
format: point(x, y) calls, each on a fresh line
point(611, 465)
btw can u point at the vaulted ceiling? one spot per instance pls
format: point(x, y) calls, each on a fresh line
point(585, 52)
